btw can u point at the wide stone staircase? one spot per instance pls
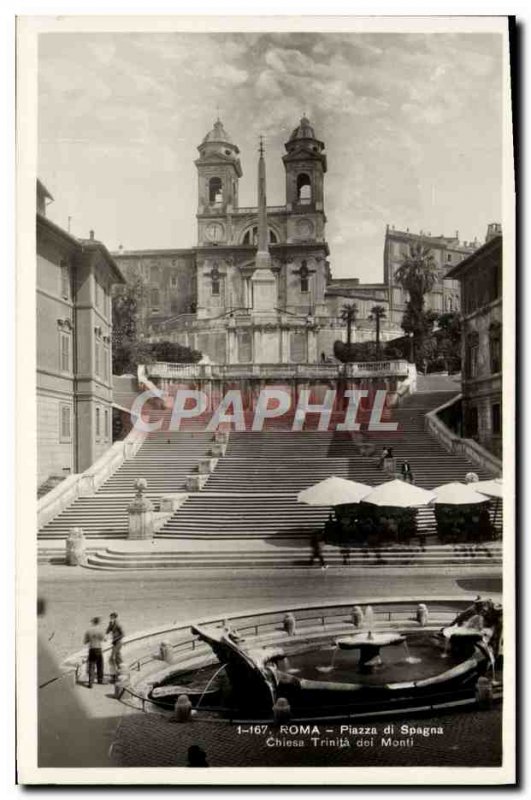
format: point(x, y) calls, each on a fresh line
point(252, 492)
point(164, 460)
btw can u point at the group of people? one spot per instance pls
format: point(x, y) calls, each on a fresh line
point(94, 638)
point(405, 469)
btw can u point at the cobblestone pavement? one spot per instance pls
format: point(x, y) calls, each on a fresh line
point(469, 739)
point(74, 595)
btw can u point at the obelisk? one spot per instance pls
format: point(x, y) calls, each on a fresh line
point(263, 280)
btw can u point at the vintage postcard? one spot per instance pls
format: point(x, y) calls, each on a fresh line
point(266, 371)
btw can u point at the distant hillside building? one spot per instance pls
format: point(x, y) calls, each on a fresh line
point(74, 334)
point(480, 276)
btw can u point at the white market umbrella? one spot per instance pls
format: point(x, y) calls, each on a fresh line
point(333, 491)
point(492, 488)
point(458, 494)
point(399, 494)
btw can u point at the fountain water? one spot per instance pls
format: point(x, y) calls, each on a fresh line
point(207, 687)
point(409, 659)
point(330, 667)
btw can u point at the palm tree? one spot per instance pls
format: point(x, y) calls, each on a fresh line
point(376, 315)
point(348, 314)
point(417, 274)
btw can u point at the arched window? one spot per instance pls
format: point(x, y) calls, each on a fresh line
point(251, 236)
point(215, 190)
point(304, 188)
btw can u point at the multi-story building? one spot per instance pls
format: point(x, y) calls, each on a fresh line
point(74, 334)
point(446, 253)
point(480, 276)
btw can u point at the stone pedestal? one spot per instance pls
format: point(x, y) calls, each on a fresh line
point(141, 523)
point(75, 548)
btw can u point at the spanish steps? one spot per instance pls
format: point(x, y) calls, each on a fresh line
point(251, 494)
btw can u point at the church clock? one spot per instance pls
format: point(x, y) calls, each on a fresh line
point(215, 232)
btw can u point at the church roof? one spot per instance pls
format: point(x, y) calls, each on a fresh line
point(304, 130)
point(218, 134)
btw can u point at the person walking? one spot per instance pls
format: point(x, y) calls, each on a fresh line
point(115, 630)
point(94, 637)
point(317, 551)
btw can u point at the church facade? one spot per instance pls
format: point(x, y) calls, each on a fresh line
point(258, 286)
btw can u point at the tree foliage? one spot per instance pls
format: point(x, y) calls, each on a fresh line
point(348, 314)
point(417, 274)
point(130, 348)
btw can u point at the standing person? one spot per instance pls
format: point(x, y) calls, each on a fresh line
point(317, 551)
point(384, 454)
point(407, 475)
point(117, 634)
point(94, 637)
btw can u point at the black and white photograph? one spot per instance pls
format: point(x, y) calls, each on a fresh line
point(266, 354)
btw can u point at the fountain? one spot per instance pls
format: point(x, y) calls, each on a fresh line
point(371, 669)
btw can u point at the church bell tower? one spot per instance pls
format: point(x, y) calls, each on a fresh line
point(218, 170)
point(305, 165)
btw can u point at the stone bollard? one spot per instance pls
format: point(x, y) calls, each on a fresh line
point(140, 513)
point(289, 624)
point(166, 652)
point(75, 548)
point(281, 710)
point(422, 614)
point(121, 683)
point(357, 616)
point(183, 709)
point(484, 692)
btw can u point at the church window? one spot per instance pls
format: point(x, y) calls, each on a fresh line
point(304, 276)
point(251, 236)
point(304, 188)
point(215, 190)
point(215, 277)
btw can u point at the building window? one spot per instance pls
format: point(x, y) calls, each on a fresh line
point(304, 276)
point(304, 189)
point(106, 353)
point(65, 352)
point(174, 281)
point(449, 257)
point(472, 353)
point(245, 347)
point(215, 190)
point(106, 429)
point(98, 422)
point(65, 423)
point(65, 281)
point(215, 278)
point(174, 306)
point(472, 422)
point(251, 236)
point(97, 357)
point(495, 347)
point(154, 298)
point(496, 418)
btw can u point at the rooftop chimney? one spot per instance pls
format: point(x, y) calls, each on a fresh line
point(91, 235)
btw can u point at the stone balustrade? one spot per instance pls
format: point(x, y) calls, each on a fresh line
point(456, 444)
point(368, 369)
point(87, 483)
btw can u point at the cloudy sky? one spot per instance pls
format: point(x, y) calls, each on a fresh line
point(411, 124)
